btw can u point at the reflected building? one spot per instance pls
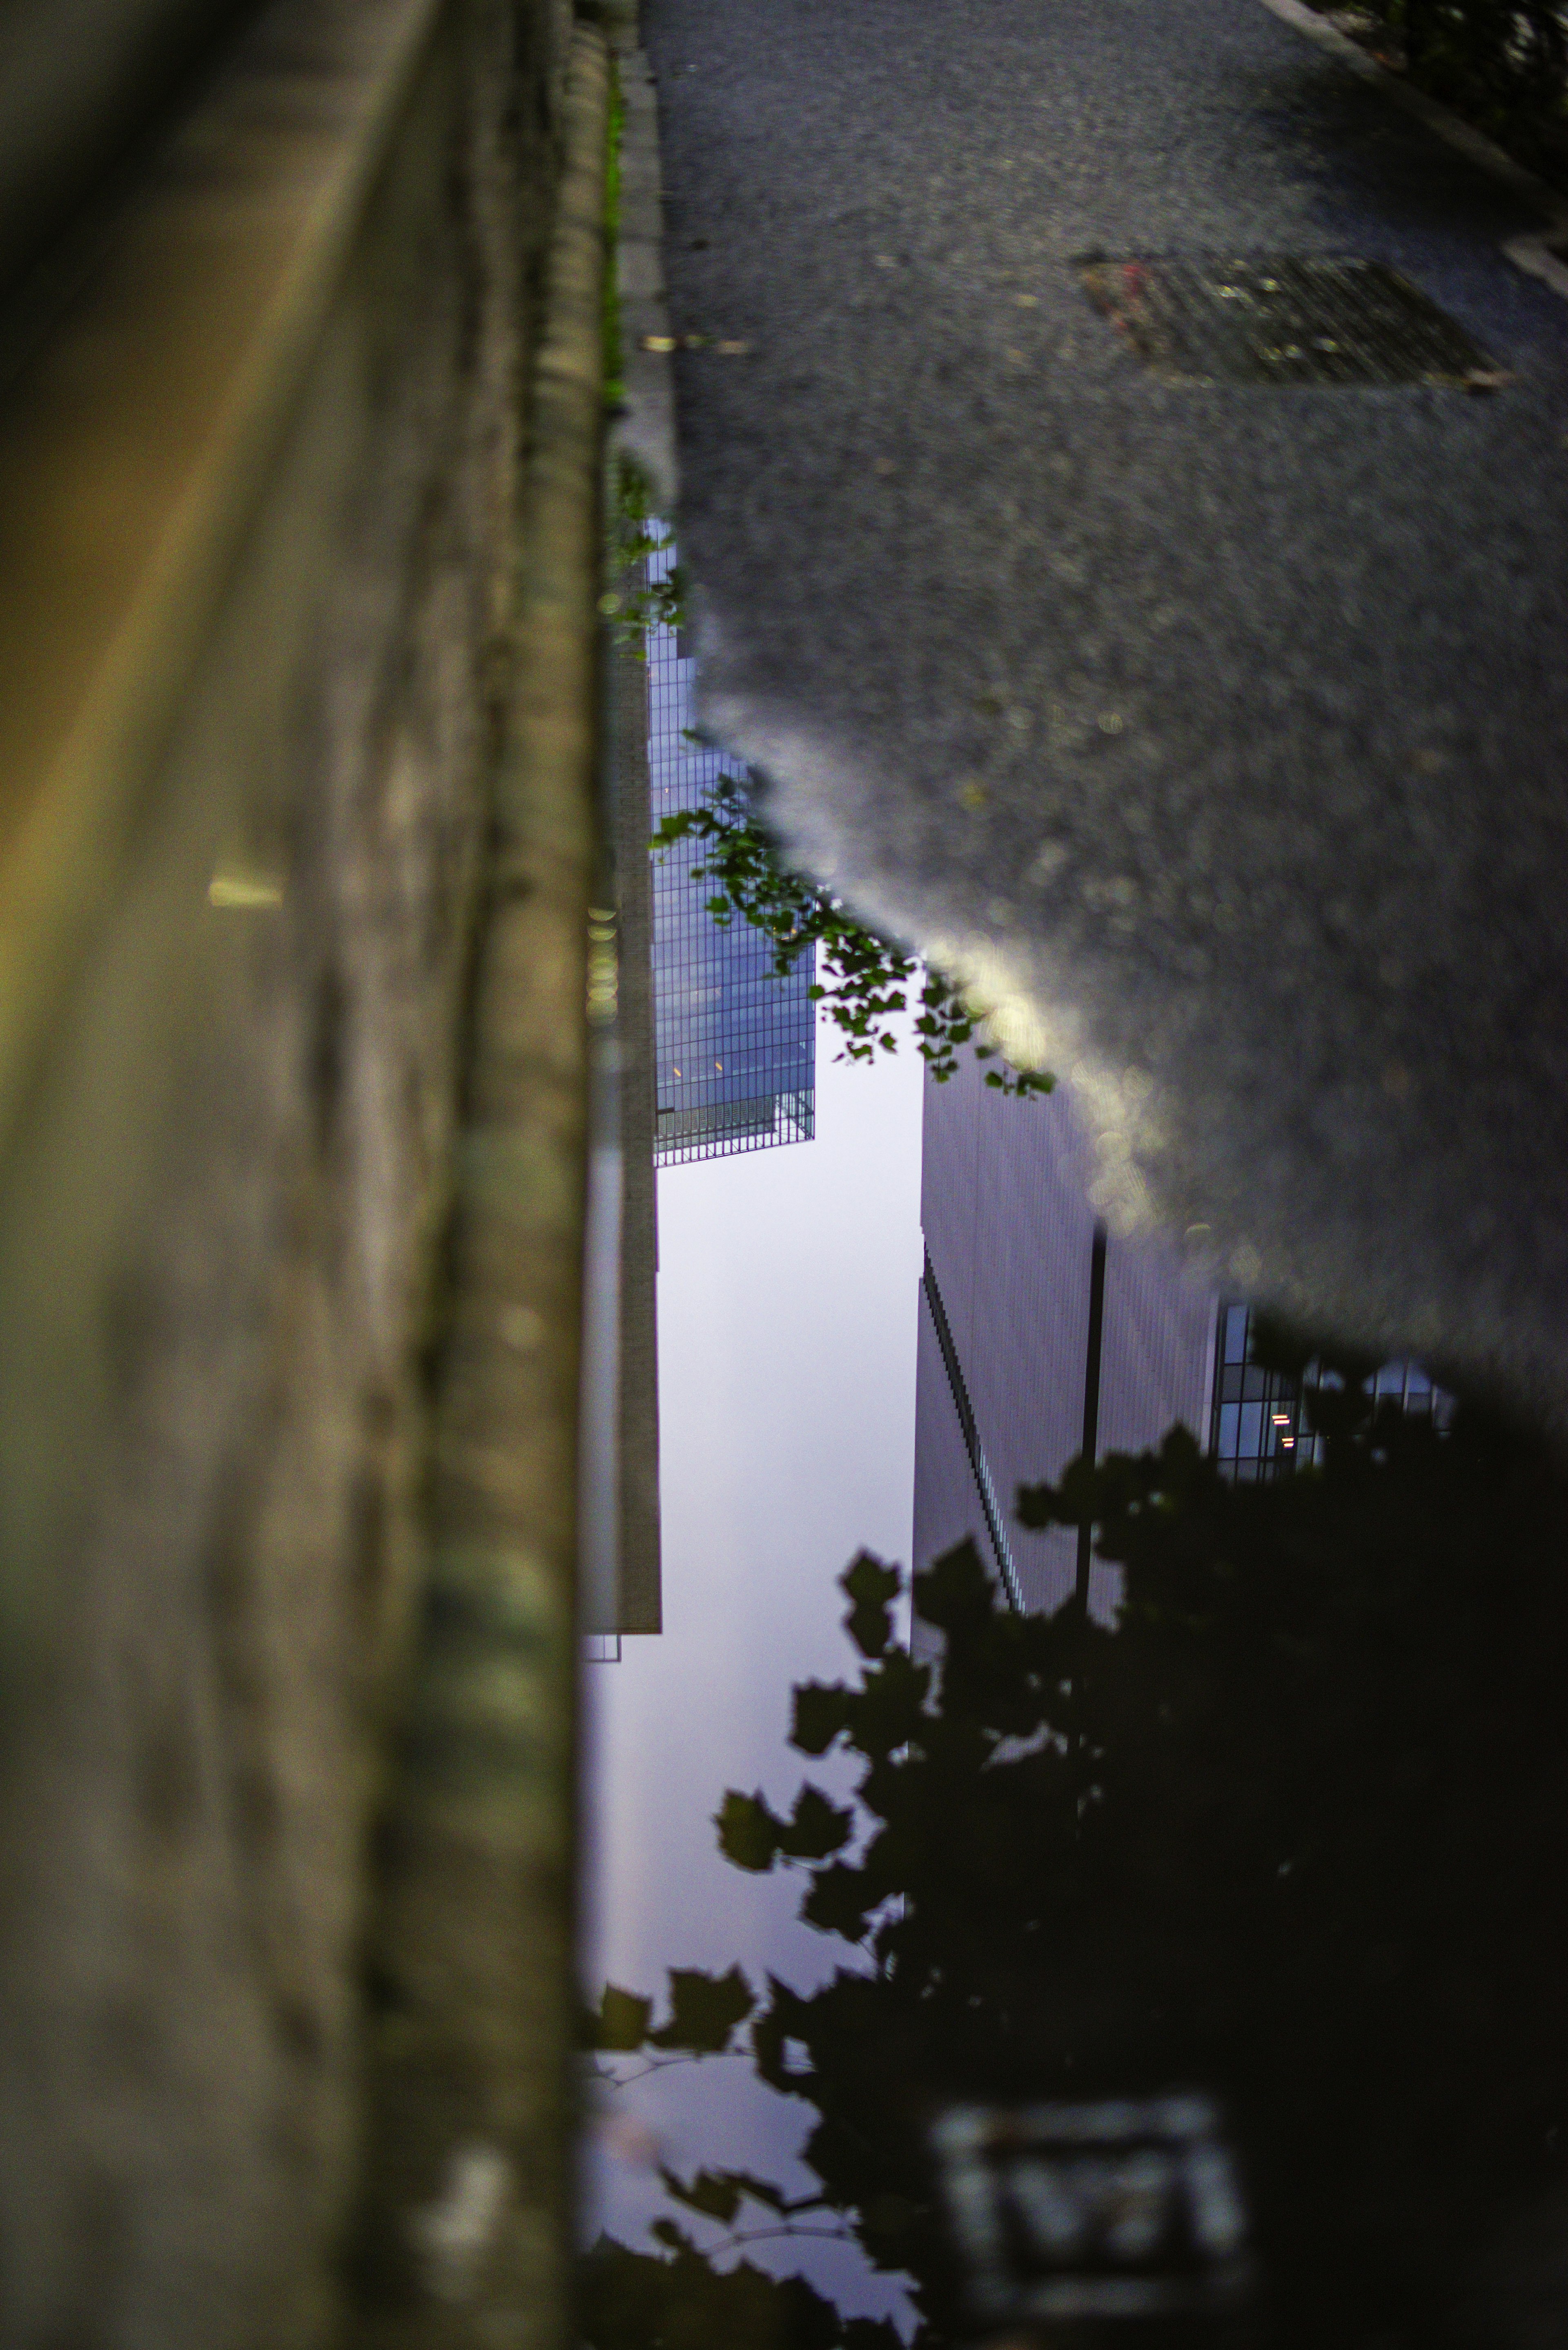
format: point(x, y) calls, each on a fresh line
point(698, 1049)
point(735, 1044)
point(1040, 1335)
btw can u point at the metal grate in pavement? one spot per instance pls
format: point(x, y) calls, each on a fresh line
point(1218, 319)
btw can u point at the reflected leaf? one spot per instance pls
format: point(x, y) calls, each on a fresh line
point(839, 1902)
point(822, 1712)
point(713, 2192)
point(635, 2301)
point(865, 976)
point(622, 2020)
point(704, 2011)
point(871, 1587)
point(817, 1829)
point(718, 2194)
point(888, 1711)
point(956, 1590)
point(749, 1834)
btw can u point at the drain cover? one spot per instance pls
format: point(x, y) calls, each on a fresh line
point(1318, 320)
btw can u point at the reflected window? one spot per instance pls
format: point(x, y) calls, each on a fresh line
point(735, 1043)
point(1261, 1423)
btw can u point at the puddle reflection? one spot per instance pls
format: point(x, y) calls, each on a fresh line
point(1161, 1932)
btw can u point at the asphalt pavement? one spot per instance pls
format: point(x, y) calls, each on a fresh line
point(1217, 731)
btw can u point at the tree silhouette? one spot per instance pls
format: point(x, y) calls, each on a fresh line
point(1291, 1832)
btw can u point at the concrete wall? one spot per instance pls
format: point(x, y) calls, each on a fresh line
point(82, 82)
point(259, 512)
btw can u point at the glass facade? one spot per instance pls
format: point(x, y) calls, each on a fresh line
point(735, 1044)
point(1262, 1420)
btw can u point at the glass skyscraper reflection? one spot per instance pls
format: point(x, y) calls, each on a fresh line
point(735, 1043)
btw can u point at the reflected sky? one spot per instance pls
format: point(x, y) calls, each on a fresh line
point(788, 1290)
point(1200, 1909)
point(1188, 1950)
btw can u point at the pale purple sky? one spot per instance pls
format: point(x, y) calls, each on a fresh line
point(788, 1298)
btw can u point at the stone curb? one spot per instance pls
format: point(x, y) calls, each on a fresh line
point(465, 2237)
point(644, 432)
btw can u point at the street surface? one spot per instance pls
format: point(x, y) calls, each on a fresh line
point(1220, 730)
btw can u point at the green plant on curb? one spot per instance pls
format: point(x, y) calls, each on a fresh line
point(634, 603)
point(631, 602)
point(1503, 64)
point(864, 982)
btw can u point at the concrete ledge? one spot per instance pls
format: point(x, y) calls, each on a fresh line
point(467, 2230)
point(644, 430)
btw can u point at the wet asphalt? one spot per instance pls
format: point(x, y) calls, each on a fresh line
point(1219, 732)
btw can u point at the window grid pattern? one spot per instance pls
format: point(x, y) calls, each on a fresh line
point(1261, 1426)
point(735, 1044)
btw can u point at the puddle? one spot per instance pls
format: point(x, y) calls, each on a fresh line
point(1080, 1859)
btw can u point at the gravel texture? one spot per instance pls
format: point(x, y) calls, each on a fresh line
point(1219, 733)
